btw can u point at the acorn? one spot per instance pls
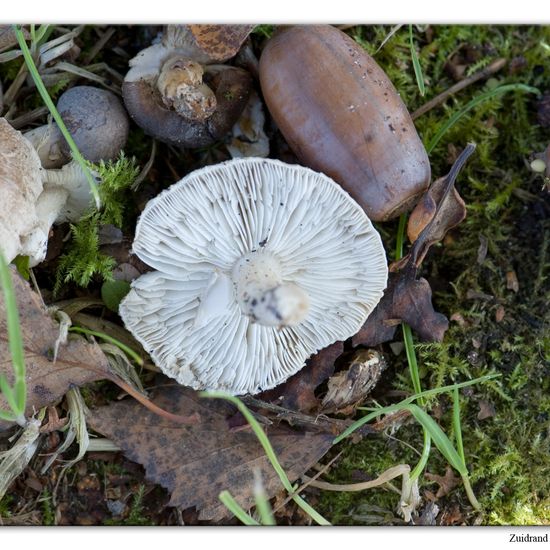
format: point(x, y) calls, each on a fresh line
point(341, 115)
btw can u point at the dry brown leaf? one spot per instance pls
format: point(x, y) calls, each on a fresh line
point(8, 38)
point(195, 463)
point(347, 389)
point(440, 209)
point(297, 393)
point(406, 299)
point(446, 483)
point(78, 362)
point(486, 410)
point(220, 42)
point(512, 282)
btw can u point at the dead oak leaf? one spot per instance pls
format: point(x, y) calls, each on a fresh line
point(78, 362)
point(440, 209)
point(446, 483)
point(196, 462)
point(408, 300)
point(298, 392)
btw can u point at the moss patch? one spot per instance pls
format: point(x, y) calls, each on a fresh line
point(500, 328)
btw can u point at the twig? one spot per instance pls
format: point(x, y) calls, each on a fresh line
point(15, 86)
point(319, 423)
point(26, 118)
point(300, 489)
point(491, 69)
point(98, 46)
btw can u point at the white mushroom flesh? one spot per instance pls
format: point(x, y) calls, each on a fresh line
point(312, 254)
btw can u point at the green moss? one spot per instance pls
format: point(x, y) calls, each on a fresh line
point(83, 260)
point(507, 454)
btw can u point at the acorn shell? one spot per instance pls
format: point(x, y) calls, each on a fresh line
point(341, 115)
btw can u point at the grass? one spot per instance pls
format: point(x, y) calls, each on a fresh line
point(15, 395)
point(508, 453)
point(270, 453)
point(31, 66)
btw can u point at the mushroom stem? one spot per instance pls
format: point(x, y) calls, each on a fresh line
point(264, 296)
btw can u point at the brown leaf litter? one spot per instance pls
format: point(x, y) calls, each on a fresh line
point(78, 362)
point(195, 463)
point(408, 299)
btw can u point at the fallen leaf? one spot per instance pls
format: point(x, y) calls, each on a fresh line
point(195, 463)
point(349, 388)
point(512, 282)
point(482, 250)
point(8, 38)
point(217, 42)
point(440, 209)
point(78, 362)
point(446, 483)
point(297, 393)
point(408, 300)
point(499, 314)
point(486, 410)
point(428, 515)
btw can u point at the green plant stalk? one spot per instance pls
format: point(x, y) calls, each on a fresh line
point(55, 114)
point(18, 397)
point(416, 64)
point(421, 464)
point(473, 103)
point(127, 350)
point(403, 404)
point(457, 425)
point(411, 358)
point(262, 502)
point(233, 506)
point(409, 344)
point(270, 453)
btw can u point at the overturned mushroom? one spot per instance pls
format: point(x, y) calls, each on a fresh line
point(177, 93)
point(259, 264)
point(34, 198)
point(96, 120)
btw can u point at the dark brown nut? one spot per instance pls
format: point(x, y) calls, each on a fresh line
point(342, 116)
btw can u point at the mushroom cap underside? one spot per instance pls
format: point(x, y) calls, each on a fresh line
point(300, 228)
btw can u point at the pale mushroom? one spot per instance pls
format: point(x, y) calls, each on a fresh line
point(34, 198)
point(258, 265)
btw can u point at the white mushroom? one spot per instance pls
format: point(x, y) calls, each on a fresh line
point(259, 264)
point(32, 198)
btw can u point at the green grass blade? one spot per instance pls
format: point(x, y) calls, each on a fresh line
point(411, 358)
point(14, 334)
point(270, 453)
point(440, 439)
point(7, 416)
point(262, 502)
point(419, 468)
point(402, 404)
point(55, 114)
point(473, 103)
point(127, 350)
point(416, 64)
point(8, 393)
point(457, 425)
point(233, 506)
